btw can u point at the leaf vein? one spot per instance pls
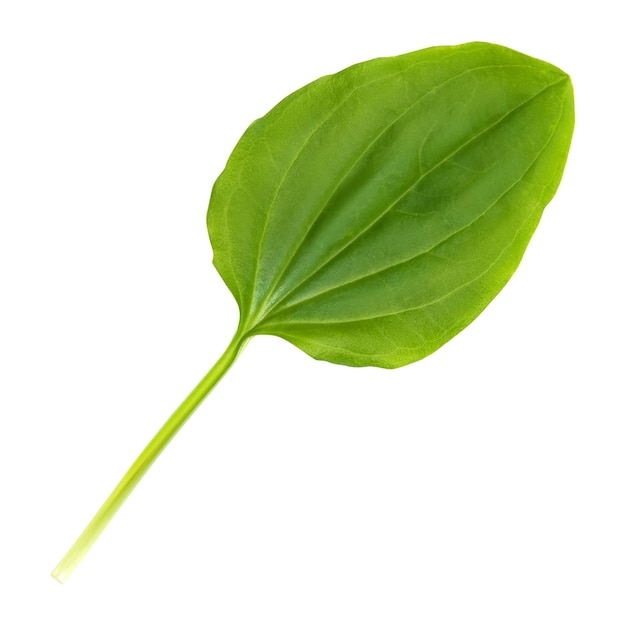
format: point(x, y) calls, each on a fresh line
point(298, 155)
point(413, 185)
point(359, 157)
point(434, 247)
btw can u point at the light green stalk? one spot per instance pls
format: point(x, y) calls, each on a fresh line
point(132, 477)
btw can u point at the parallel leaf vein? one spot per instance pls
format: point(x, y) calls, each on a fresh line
point(414, 257)
point(301, 150)
point(387, 209)
point(359, 157)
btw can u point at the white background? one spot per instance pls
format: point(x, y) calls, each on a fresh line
point(484, 485)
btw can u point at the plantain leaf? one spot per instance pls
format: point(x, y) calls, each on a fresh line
point(373, 214)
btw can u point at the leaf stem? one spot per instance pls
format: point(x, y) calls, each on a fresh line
point(132, 477)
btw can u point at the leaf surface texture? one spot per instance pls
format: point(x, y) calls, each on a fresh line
point(373, 214)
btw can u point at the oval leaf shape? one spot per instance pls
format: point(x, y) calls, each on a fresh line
point(373, 214)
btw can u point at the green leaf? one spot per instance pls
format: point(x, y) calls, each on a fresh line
point(373, 214)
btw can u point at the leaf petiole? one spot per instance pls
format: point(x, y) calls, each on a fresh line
point(143, 462)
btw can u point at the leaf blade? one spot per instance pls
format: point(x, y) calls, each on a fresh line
point(391, 226)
